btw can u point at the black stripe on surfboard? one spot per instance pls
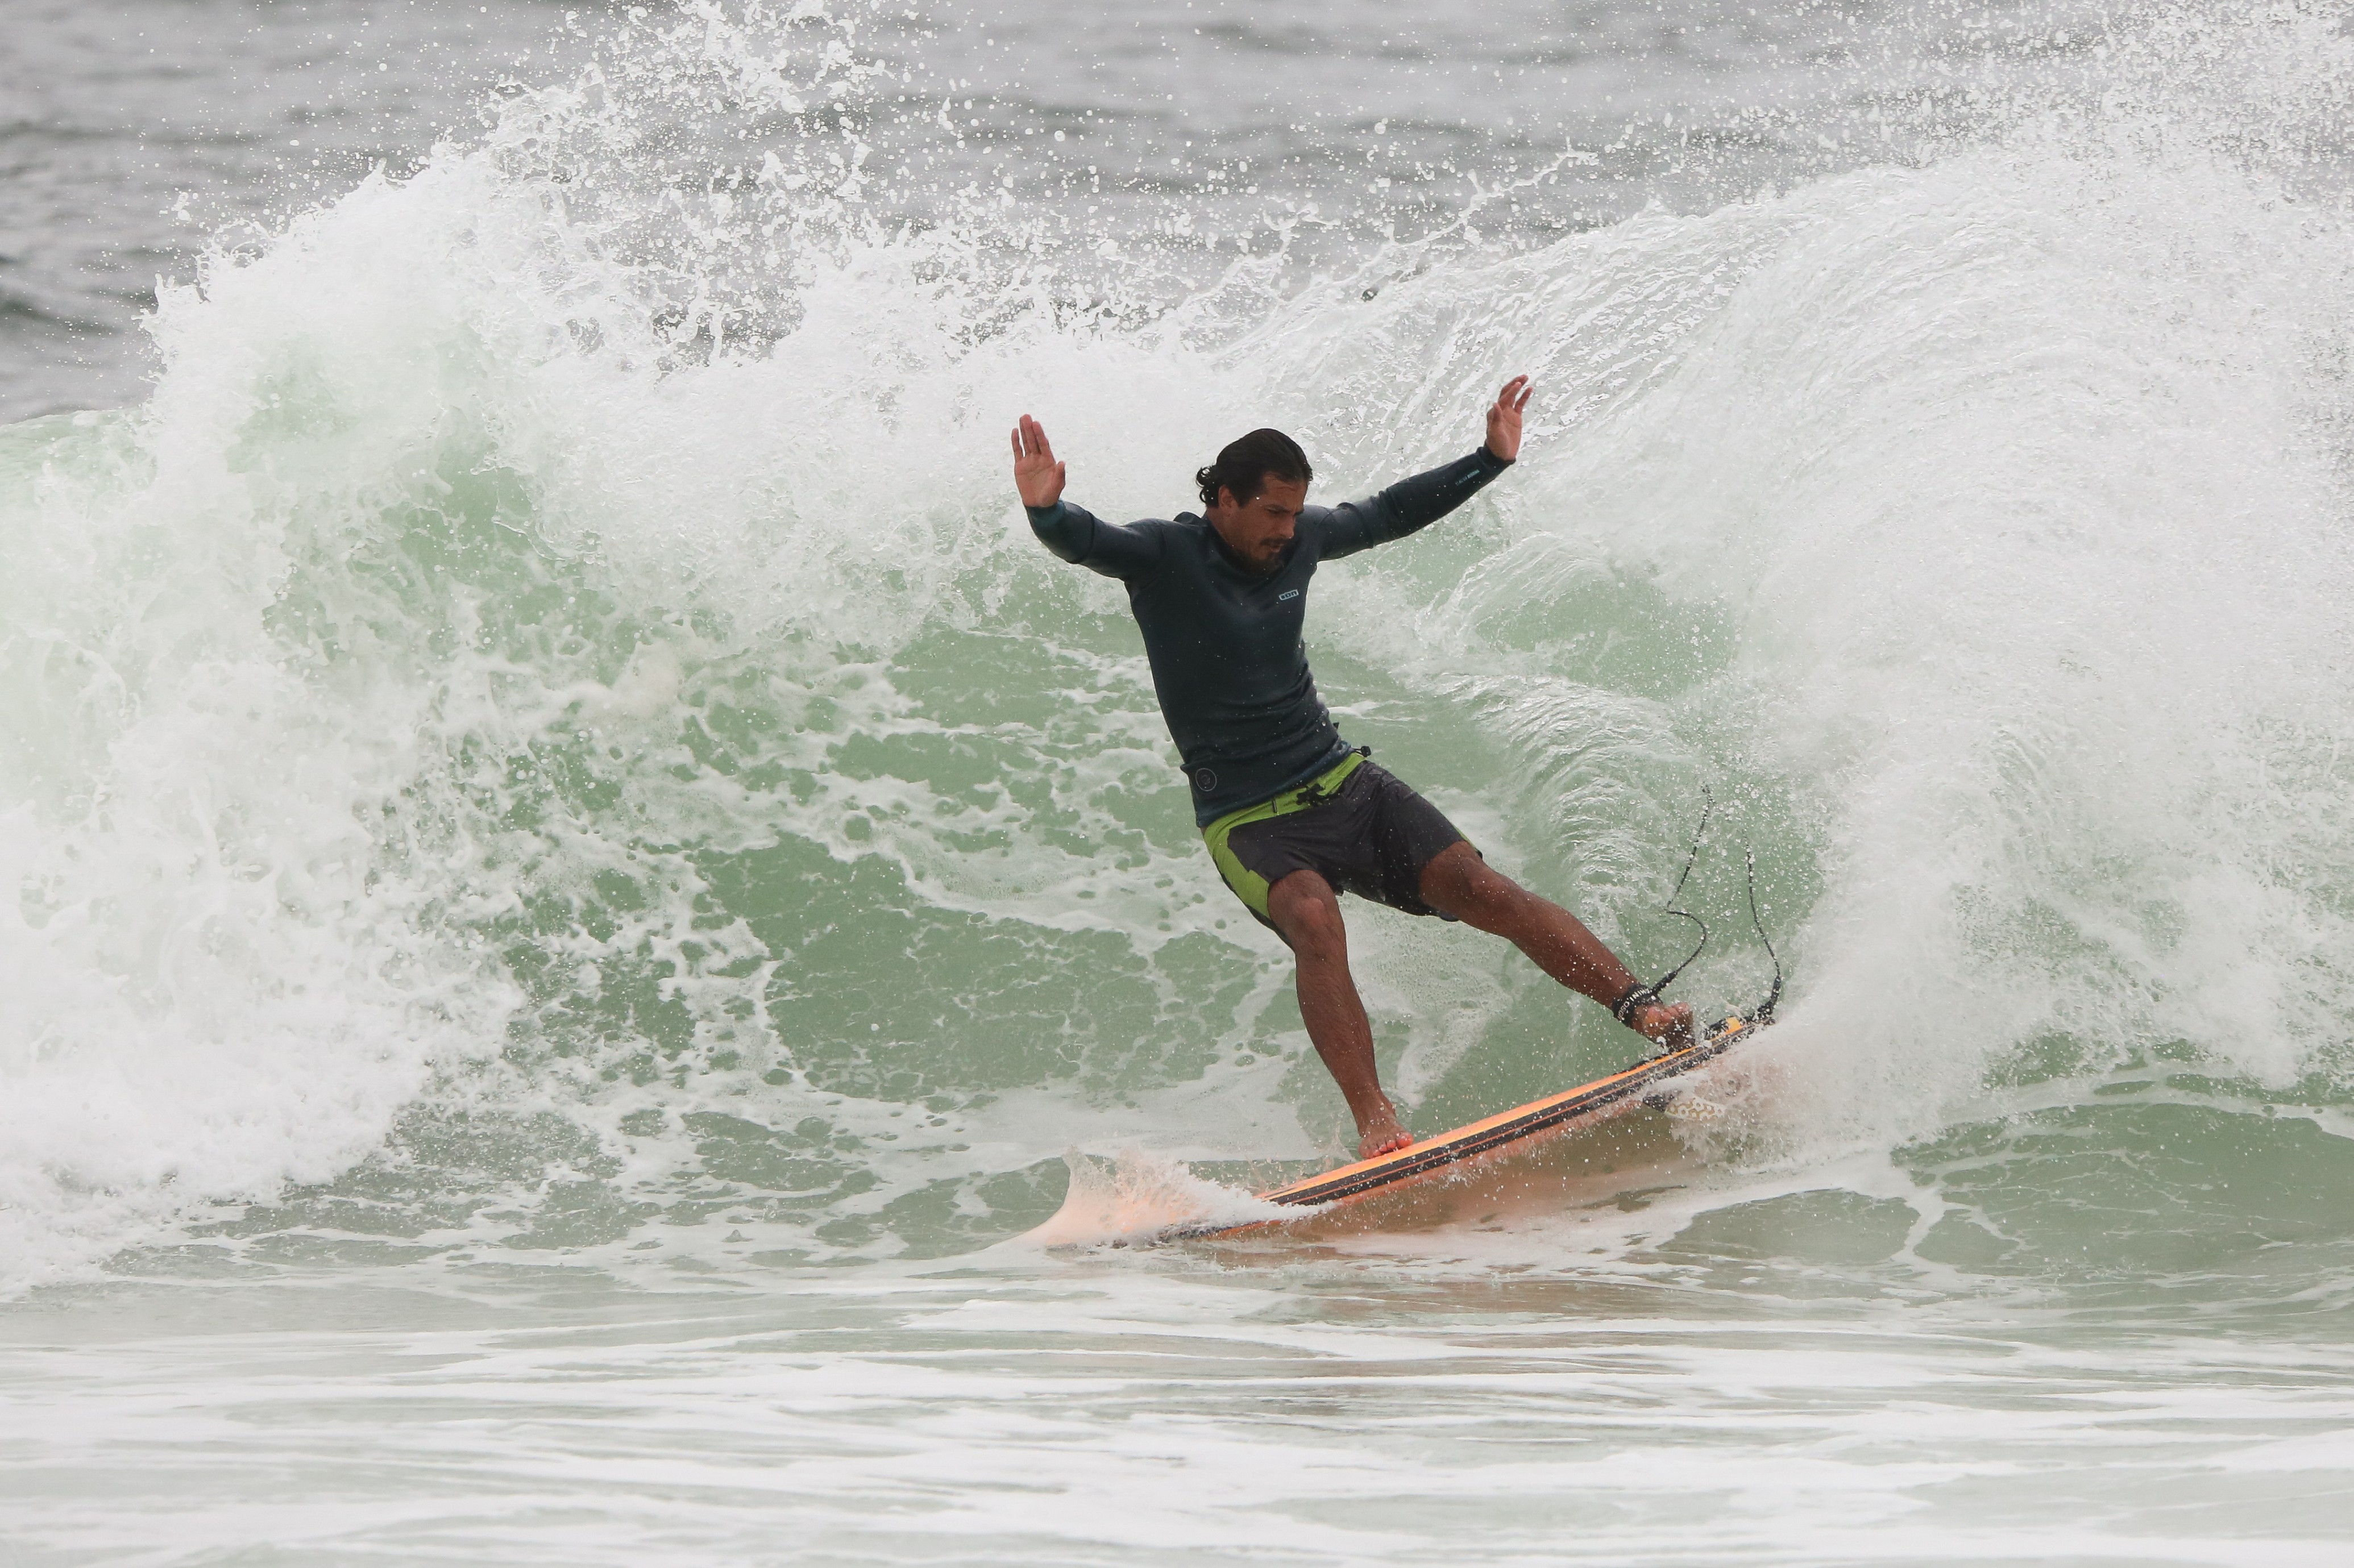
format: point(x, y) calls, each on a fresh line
point(1534, 1118)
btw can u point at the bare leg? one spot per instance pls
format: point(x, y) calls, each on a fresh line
point(1458, 882)
point(1306, 912)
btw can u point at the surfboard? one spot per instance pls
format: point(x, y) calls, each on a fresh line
point(1505, 1133)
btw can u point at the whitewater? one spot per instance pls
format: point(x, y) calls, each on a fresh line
point(610, 964)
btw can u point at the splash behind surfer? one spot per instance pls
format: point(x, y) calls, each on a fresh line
point(1293, 816)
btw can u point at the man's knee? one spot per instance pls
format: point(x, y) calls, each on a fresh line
point(1458, 882)
point(1308, 914)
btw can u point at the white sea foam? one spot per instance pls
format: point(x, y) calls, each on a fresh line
point(407, 697)
point(578, 871)
point(1140, 1198)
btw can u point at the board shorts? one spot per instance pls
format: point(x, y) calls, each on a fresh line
point(1355, 825)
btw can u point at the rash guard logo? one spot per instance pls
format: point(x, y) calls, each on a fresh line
point(1288, 593)
point(1205, 780)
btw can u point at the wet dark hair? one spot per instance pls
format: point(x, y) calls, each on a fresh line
point(1246, 465)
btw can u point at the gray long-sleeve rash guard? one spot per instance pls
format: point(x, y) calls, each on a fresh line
point(1228, 662)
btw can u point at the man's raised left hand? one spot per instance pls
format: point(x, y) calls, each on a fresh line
point(1504, 418)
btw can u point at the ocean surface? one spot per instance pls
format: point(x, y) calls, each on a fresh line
point(608, 964)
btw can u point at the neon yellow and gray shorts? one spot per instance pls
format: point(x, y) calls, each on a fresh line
point(1356, 825)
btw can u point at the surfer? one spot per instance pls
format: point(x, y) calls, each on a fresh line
point(1293, 815)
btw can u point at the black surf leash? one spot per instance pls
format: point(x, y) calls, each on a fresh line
point(1640, 995)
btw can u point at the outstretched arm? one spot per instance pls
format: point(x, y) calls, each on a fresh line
point(1417, 502)
point(1072, 533)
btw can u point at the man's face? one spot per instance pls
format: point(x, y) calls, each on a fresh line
point(1257, 530)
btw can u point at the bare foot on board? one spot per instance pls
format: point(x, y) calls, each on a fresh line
point(1668, 1023)
point(1382, 1133)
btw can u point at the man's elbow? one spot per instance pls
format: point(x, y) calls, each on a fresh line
point(1052, 524)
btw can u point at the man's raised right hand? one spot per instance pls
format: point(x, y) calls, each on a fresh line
point(1036, 474)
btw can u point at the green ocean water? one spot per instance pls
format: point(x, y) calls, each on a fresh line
point(583, 884)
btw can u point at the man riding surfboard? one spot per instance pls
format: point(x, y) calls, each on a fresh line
point(1293, 816)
